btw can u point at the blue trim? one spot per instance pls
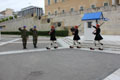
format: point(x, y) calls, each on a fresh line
point(93, 16)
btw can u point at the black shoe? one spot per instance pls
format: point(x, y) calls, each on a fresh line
point(24, 48)
point(100, 48)
point(71, 47)
point(92, 49)
point(35, 46)
point(47, 48)
point(78, 47)
point(56, 47)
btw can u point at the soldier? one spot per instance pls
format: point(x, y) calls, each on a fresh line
point(98, 37)
point(35, 36)
point(24, 36)
point(52, 38)
point(76, 37)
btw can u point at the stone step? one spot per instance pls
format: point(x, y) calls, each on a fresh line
point(91, 44)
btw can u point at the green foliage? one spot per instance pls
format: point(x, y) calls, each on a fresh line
point(61, 33)
point(6, 19)
point(0, 21)
point(3, 20)
point(10, 17)
point(15, 16)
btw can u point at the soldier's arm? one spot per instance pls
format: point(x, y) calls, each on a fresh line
point(31, 30)
point(19, 29)
point(94, 27)
point(50, 32)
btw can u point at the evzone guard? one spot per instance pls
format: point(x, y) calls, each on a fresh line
point(53, 39)
point(98, 37)
point(76, 37)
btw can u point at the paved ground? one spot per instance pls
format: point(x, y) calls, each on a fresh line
point(65, 64)
point(60, 64)
point(8, 44)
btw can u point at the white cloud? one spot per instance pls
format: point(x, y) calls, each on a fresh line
point(18, 4)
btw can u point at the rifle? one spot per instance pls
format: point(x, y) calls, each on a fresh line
point(102, 23)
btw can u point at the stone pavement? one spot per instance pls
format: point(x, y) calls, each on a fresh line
point(11, 44)
point(61, 64)
point(111, 45)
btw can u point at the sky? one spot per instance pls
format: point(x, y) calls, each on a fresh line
point(17, 5)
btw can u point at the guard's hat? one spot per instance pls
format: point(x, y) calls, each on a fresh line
point(35, 26)
point(52, 27)
point(24, 26)
point(97, 25)
point(76, 27)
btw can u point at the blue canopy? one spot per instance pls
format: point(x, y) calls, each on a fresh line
point(93, 16)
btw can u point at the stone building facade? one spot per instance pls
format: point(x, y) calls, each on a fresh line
point(65, 6)
point(30, 10)
point(7, 12)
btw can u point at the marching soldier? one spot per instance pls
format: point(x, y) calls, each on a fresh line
point(24, 36)
point(35, 36)
point(76, 37)
point(98, 36)
point(52, 38)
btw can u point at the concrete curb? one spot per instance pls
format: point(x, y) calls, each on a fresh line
point(114, 76)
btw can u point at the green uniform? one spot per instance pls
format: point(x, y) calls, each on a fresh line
point(35, 37)
point(24, 36)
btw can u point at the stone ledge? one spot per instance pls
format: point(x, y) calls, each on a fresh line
point(114, 76)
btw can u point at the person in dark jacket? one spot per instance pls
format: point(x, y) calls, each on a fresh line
point(98, 36)
point(76, 37)
point(35, 36)
point(52, 38)
point(24, 36)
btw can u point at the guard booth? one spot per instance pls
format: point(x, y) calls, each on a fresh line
point(89, 20)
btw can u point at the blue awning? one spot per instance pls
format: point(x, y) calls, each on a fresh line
point(93, 16)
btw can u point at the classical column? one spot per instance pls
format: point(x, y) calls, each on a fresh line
point(113, 2)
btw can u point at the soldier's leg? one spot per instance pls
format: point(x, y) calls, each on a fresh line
point(74, 44)
point(95, 43)
point(24, 43)
point(100, 45)
point(51, 44)
point(92, 48)
point(55, 44)
point(35, 43)
point(78, 44)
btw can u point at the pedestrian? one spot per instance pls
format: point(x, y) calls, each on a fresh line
point(98, 36)
point(35, 36)
point(53, 39)
point(24, 36)
point(76, 37)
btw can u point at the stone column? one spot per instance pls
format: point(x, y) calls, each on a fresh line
point(113, 2)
